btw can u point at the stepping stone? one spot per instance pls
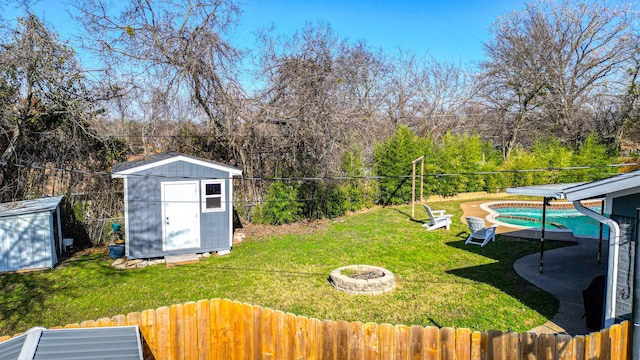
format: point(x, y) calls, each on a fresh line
point(183, 259)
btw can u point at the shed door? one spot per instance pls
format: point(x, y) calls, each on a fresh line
point(180, 215)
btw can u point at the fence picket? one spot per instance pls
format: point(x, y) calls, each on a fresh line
point(120, 320)
point(133, 318)
point(447, 343)
point(102, 322)
point(328, 336)
point(477, 352)
point(432, 343)
point(278, 334)
point(546, 346)
point(301, 340)
point(592, 343)
point(314, 342)
point(416, 342)
point(564, 347)
point(163, 321)
point(356, 341)
point(248, 331)
point(342, 340)
point(190, 330)
point(267, 338)
point(496, 345)
point(529, 348)
point(221, 312)
point(385, 341)
point(177, 331)
point(289, 341)
point(401, 342)
point(257, 330)
point(236, 332)
point(204, 334)
point(88, 324)
point(148, 328)
point(463, 344)
point(614, 340)
point(512, 349)
point(371, 344)
point(579, 347)
point(605, 345)
point(625, 343)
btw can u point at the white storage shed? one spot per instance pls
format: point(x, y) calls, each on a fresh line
point(30, 234)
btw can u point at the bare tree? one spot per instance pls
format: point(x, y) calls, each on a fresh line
point(427, 95)
point(300, 101)
point(547, 63)
point(48, 145)
point(164, 55)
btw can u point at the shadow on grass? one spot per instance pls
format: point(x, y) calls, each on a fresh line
point(24, 296)
point(21, 296)
point(419, 221)
point(501, 275)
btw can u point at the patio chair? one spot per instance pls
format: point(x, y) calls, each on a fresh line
point(480, 235)
point(437, 219)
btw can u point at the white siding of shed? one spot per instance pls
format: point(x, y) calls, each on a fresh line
point(26, 241)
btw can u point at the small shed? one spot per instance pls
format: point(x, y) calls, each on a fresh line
point(123, 342)
point(176, 204)
point(30, 234)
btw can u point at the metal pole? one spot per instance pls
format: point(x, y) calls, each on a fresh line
point(601, 228)
point(544, 220)
point(635, 342)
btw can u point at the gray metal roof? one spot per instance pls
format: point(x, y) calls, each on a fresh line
point(29, 206)
point(130, 167)
point(622, 182)
point(549, 190)
point(10, 349)
point(118, 342)
point(581, 191)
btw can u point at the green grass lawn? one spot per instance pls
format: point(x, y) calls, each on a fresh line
point(440, 281)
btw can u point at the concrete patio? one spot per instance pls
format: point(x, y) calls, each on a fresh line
point(567, 271)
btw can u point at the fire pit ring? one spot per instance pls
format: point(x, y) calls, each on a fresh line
point(362, 279)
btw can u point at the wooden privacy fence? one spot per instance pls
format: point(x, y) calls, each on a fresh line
point(223, 329)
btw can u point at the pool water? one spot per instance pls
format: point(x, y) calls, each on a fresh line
point(580, 224)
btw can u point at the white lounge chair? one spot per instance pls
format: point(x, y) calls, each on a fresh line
point(437, 219)
point(480, 235)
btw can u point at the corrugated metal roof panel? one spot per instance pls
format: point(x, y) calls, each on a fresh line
point(90, 343)
point(10, 349)
point(118, 343)
point(29, 206)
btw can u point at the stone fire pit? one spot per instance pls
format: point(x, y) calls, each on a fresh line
point(363, 279)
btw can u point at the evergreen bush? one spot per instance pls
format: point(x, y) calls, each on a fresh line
point(281, 205)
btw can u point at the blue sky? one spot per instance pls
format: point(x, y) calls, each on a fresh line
point(448, 30)
point(451, 30)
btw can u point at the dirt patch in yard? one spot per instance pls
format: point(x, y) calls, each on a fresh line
point(258, 231)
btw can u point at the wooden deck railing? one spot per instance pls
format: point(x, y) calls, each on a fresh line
point(223, 329)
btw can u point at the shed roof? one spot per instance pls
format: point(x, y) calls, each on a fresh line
point(614, 184)
point(118, 342)
point(29, 206)
point(132, 167)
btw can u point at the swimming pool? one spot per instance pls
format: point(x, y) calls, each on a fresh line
point(562, 217)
